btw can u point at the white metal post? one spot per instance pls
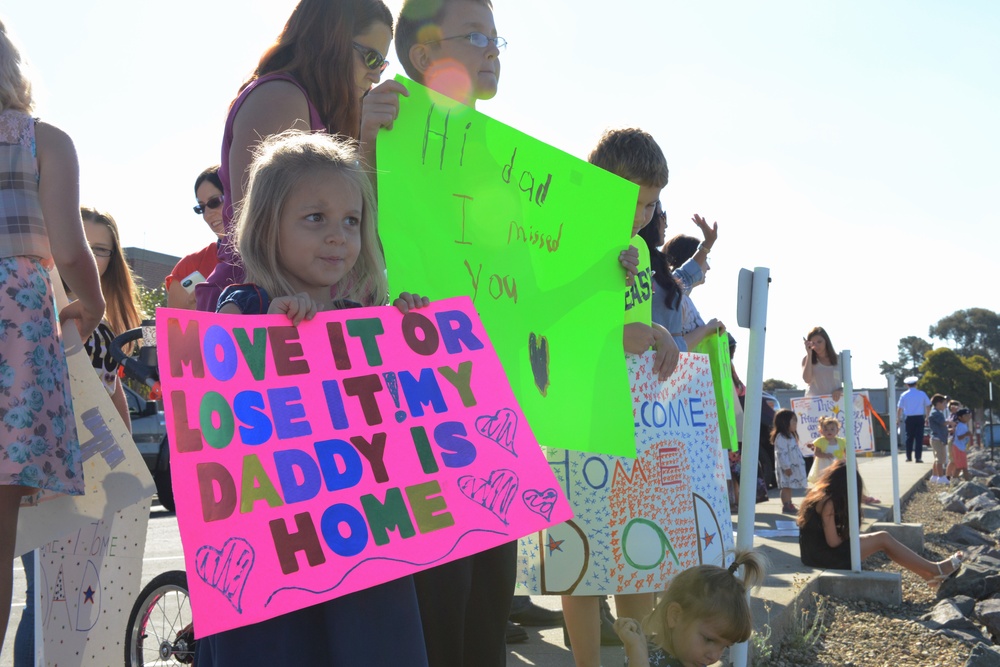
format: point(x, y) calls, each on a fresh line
point(893, 446)
point(853, 510)
point(751, 428)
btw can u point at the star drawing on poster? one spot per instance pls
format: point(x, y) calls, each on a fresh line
point(709, 538)
point(554, 545)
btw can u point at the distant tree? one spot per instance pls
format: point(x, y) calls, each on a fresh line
point(974, 331)
point(151, 299)
point(912, 351)
point(964, 379)
point(772, 384)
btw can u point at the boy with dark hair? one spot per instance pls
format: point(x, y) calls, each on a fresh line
point(635, 156)
point(451, 46)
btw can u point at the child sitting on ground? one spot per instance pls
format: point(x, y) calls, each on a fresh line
point(703, 612)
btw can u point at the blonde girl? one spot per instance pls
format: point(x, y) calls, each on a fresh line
point(306, 233)
point(39, 224)
point(703, 612)
point(790, 466)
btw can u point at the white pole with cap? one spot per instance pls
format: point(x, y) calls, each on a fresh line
point(893, 446)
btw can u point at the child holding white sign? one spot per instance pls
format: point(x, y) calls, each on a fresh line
point(635, 156)
point(307, 238)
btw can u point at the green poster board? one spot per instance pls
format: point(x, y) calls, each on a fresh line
point(470, 206)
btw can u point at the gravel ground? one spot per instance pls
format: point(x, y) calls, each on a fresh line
point(867, 634)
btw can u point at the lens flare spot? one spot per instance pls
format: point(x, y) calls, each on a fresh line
point(429, 33)
point(449, 77)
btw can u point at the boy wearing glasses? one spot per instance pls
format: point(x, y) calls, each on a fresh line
point(453, 50)
point(635, 156)
point(451, 46)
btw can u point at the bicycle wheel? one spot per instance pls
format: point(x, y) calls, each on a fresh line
point(160, 631)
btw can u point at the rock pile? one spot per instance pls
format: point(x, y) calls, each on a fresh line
point(969, 602)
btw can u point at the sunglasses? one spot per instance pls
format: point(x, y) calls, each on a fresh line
point(212, 203)
point(477, 39)
point(372, 58)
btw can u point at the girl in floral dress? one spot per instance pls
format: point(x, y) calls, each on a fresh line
point(39, 224)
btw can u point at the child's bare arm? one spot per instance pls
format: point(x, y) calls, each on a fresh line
point(636, 650)
point(638, 337)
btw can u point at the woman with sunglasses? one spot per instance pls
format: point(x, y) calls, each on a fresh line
point(194, 268)
point(317, 76)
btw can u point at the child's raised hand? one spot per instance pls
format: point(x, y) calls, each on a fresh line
point(298, 307)
point(629, 259)
point(630, 632)
point(379, 108)
point(837, 393)
point(407, 302)
point(710, 233)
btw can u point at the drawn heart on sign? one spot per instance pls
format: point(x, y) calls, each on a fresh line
point(495, 494)
point(226, 569)
point(541, 502)
point(538, 355)
point(500, 428)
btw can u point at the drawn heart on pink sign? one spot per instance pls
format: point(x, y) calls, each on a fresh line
point(226, 569)
point(541, 502)
point(495, 493)
point(500, 428)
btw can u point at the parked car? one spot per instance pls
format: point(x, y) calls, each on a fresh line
point(149, 431)
point(771, 400)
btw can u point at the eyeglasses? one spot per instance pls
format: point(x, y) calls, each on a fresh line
point(101, 251)
point(212, 203)
point(477, 39)
point(373, 59)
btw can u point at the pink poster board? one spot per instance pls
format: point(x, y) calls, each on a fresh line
point(362, 446)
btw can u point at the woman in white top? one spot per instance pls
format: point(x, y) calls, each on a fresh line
point(820, 369)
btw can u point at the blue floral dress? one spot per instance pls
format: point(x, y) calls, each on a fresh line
point(38, 440)
point(37, 428)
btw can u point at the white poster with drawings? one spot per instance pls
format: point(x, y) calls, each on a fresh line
point(809, 409)
point(114, 472)
point(639, 522)
point(89, 580)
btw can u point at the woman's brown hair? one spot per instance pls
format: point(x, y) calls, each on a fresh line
point(117, 283)
point(830, 352)
point(317, 48)
point(831, 486)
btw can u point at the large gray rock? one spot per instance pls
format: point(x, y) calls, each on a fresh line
point(983, 656)
point(966, 536)
point(956, 505)
point(946, 614)
point(970, 637)
point(973, 579)
point(993, 482)
point(982, 502)
point(988, 613)
point(985, 522)
point(967, 490)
